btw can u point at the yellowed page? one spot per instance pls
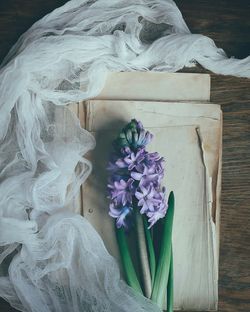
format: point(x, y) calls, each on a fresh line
point(206, 126)
point(155, 86)
point(188, 136)
point(146, 86)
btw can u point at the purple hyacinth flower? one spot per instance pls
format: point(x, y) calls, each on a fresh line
point(133, 135)
point(154, 216)
point(160, 208)
point(155, 161)
point(144, 138)
point(135, 177)
point(147, 198)
point(132, 160)
point(125, 151)
point(122, 215)
point(120, 163)
point(120, 191)
point(153, 158)
point(159, 213)
point(112, 166)
point(112, 162)
point(146, 177)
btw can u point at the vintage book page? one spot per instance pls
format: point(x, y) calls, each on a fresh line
point(147, 86)
point(188, 135)
point(202, 152)
point(156, 86)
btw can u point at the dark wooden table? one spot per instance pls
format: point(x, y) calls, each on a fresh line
point(228, 23)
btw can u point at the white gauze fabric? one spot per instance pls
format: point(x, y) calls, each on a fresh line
point(51, 259)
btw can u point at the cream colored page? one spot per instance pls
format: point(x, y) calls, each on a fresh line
point(193, 252)
point(156, 86)
point(113, 114)
point(207, 116)
point(146, 86)
point(185, 174)
point(179, 132)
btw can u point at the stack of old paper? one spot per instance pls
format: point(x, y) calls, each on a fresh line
point(187, 131)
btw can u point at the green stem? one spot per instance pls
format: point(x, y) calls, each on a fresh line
point(170, 287)
point(146, 276)
point(128, 266)
point(151, 252)
point(162, 272)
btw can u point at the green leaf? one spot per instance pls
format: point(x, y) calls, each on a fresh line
point(170, 287)
point(151, 251)
point(128, 266)
point(163, 265)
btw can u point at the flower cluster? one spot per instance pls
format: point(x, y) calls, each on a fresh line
point(135, 177)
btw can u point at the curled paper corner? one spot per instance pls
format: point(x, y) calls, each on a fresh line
point(208, 178)
point(212, 241)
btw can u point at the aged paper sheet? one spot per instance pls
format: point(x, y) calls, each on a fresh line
point(155, 86)
point(188, 135)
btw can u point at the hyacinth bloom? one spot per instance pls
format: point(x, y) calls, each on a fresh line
point(133, 136)
point(120, 214)
point(135, 177)
point(120, 192)
point(138, 200)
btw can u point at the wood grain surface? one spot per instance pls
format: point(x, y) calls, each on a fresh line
point(228, 23)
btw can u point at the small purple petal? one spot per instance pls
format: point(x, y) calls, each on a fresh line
point(113, 211)
point(139, 195)
point(136, 175)
point(123, 219)
point(120, 163)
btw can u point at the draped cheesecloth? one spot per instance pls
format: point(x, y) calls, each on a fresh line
point(52, 259)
